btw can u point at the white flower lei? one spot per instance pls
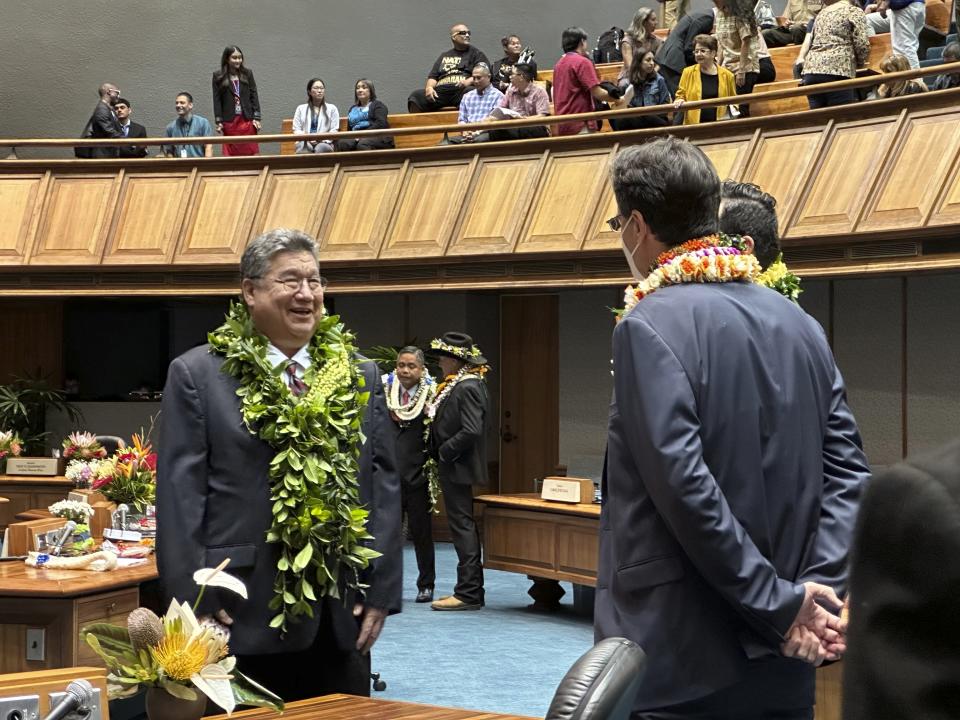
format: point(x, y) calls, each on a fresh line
point(463, 374)
point(405, 413)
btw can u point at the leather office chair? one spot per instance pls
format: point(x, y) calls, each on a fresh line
point(111, 443)
point(602, 684)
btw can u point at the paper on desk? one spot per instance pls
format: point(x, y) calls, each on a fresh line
point(130, 562)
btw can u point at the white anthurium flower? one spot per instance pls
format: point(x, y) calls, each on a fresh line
point(216, 577)
point(214, 682)
point(185, 614)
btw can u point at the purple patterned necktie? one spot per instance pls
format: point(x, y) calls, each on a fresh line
point(297, 386)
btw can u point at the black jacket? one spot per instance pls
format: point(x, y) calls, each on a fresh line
point(676, 53)
point(458, 436)
point(223, 105)
point(102, 124)
point(134, 151)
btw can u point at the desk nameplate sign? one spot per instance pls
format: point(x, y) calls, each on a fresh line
point(39, 466)
point(123, 535)
point(567, 490)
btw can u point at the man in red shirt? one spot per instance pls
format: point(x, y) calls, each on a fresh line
point(575, 84)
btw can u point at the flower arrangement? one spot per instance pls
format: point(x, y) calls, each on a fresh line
point(130, 476)
point(79, 512)
point(84, 472)
point(778, 277)
point(83, 446)
point(178, 653)
point(10, 444)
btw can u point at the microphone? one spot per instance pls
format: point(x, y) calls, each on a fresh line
point(122, 510)
point(62, 538)
point(77, 698)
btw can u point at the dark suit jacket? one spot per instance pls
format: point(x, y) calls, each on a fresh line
point(213, 503)
point(411, 452)
point(904, 640)
point(676, 53)
point(134, 151)
point(734, 471)
point(223, 105)
point(102, 124)
point(458, 435)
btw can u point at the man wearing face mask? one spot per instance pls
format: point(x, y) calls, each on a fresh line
point(734, 468)
point(450, 76)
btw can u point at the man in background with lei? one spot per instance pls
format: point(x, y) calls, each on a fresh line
point(734, 469)
point(457, 442)
point(259, 462)
point(408, 390)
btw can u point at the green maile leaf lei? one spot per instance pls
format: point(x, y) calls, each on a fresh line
point(317, 517)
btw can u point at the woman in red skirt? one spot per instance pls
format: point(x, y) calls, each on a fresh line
point(236, 104)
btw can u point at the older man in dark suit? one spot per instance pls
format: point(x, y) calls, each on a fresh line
point(734, 467)
point(280, 378)
point(458, 443)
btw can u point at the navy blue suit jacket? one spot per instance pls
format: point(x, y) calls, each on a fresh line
point(734, 472)
point(213, 502)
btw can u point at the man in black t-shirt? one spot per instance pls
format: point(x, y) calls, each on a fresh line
point(450, 77)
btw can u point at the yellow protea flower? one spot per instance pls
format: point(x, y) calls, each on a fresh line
point(179, 656)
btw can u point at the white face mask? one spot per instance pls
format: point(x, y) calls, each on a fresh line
point(631, 255)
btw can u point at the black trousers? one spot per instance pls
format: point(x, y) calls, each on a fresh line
point(370, 143)
point(458, 501)
point(416, 504)
point(524, 133)
point(827, 99)
point(768, 72)
point(447, 96)
point(640, 123)
point(321, 669)
point(750, 79)
point(782, 36)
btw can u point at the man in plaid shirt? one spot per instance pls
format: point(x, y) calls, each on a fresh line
point(478, 104)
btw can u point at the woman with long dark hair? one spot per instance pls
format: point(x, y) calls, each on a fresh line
point(236, 104)
point(649, 88)
point(316, 115)
point(366, 113)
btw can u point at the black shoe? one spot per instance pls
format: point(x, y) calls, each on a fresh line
point(425, 595)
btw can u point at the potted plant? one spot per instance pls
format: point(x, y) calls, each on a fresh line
point(130, 476)
point(83, 445)
point(180, 661)
point(23, 409)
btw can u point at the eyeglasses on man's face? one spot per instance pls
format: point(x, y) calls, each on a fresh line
point(464, 33)
point(616, 223)
point(315, 284)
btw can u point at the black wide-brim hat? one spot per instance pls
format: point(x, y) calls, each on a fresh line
point(458, 345)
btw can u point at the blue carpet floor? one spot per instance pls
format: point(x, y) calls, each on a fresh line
point(504, 658)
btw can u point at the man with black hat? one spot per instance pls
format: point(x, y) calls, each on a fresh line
point(457, 442)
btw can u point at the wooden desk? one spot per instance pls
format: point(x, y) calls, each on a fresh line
point(555, 541)
point(27, 491)
point(340, 707)
point(61, 602)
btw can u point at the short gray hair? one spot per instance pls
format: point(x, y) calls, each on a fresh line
point(257, 257)
point(415, 351)
point(482, 67)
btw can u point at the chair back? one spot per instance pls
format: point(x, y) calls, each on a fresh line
point(602, 684)
point(111, 443)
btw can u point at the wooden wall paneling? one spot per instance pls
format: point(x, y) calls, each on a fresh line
point(149, 216)
point(780, 166)
point(907, 190)
point(20, 197)
point(359, 211)
point(602, 237)
point(727, 157)
point(833, 198)
point(431, 200)
point(496, 204)
point(32, 332)
point(75, 219)
point(566, 201)
point(219, 217)
point(293, 199)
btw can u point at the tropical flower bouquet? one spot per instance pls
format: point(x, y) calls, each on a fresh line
point(84, 472)
point(178, 657)
point(10, 446)
point(83, 446)
point(130, 476)
point(81, 543)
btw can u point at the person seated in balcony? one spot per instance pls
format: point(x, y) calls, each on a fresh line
point(951, 54)
point(523, 99)
point(450, 76)
point(704, 81)
point(576, 85)
point(188, 125)
point(648, 88)
point(316, 116)
point(834, 48)
point(897, 88)
point(130, 129)
point(515, 53)
point(739, 37)
point(638, 39)
point(366, 113)
point(676, 53)
point(477, 104)
point(236, 104)
point(792, 27)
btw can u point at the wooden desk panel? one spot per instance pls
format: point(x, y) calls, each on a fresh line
point(25, 492)
point(337, 707)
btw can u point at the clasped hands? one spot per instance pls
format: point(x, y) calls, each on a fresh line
point(817, 635)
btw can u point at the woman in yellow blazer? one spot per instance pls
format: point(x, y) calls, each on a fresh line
point(704, 81)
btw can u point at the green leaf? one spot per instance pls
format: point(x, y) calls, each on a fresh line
point(303, 557)
point(178, 690)
point(248, 692)
point(277, 621)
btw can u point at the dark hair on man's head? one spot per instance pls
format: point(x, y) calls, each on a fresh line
point(707, 41)
point(373, 91)
point(187, 95)
point(745, 209)
point(123, 101)
point(526, 70)
point(572, 37)
point(672, 184)
point(415, 351)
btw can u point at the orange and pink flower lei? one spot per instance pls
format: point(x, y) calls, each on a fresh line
point(710, 259)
